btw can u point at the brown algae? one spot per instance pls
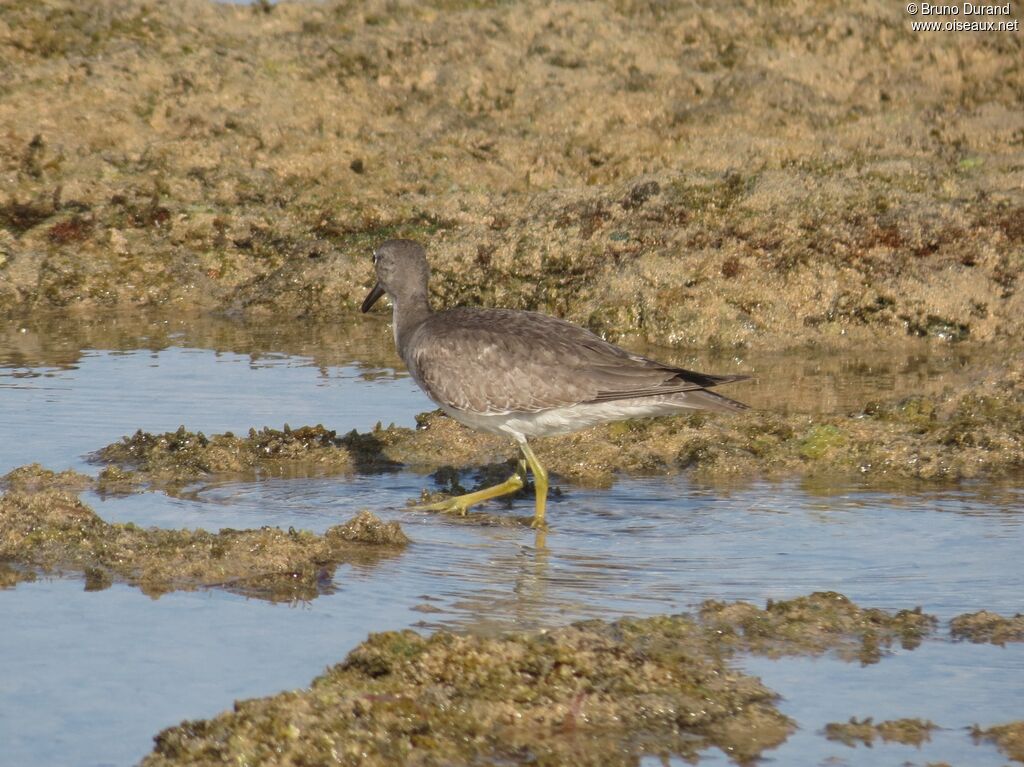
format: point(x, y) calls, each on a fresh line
point(822, 621)
point(53, 531)
point(911, 732)
point(957, 435)
point(593, 693)
point(985, 626)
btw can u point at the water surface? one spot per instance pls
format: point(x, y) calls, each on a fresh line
point(87, 678)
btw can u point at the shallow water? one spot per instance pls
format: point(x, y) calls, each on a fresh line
point(87, 678)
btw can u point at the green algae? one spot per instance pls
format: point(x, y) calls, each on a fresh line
point(1008, 737)
point(985, 626)
point(50, 529)
point(823, 621)
point(911, 732)
point(593, 693)
point(819, 440)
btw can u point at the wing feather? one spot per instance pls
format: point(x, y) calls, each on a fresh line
point(499, 361)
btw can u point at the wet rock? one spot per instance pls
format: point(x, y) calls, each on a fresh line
point(52, 530)
point(815, 624)
point(592, 693)
point(912, 732)
point(985, 626)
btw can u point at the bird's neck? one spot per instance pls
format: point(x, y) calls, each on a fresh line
point(409, 314)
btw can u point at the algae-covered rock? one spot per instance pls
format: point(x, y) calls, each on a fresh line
point(366, 529)
point(12, 576)
point(912, 732)
point(822, 621)
point(1008, 737)
point(182, 456)
point(113, 480)
point(53, 530)
point(34, 477)
point(694, 175)
point(589, 694)
point(593, 693)
point(985, 626)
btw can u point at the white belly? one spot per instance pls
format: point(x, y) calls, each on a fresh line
point(562, 420)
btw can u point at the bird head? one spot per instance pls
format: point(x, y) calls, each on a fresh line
point(402, 271)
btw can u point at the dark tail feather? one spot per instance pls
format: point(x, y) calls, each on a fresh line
point(705, 380)
point(716, 403)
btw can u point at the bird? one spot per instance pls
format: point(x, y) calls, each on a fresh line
point(523, 374)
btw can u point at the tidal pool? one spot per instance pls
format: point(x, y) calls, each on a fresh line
point(87, 678)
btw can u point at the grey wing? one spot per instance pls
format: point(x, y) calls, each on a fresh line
point(499, 361)
point(485, 368)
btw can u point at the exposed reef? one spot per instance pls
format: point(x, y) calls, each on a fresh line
point(52, 530)
point(912, 732)
point(593, 693)
point(1008, 737)
point(727, 176)
point(822, 621)
point(985, 626)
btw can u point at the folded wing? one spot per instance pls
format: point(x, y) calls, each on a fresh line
point(500, 361)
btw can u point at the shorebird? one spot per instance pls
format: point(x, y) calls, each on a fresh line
point(524, 374)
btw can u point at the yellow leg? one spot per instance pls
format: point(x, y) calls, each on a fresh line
point(540, 484)
point(462, 502)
